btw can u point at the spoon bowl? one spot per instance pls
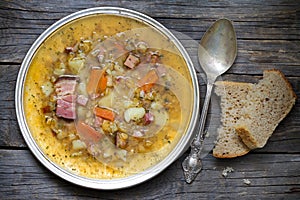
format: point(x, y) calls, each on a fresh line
point(218, 48)
point(217, 52)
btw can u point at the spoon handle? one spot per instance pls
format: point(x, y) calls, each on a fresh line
point(192, 163)
point(200, 135)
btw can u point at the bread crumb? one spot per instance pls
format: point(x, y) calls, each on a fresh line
point(206, 134)
point(282, 51)
point(247, 181)
point(226, 171)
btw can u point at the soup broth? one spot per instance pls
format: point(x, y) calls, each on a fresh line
point(107, 96)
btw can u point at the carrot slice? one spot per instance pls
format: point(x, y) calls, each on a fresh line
point(97, 82)
point(87, 133)
point(104, 113)
point(102, 83)
point(148, 81)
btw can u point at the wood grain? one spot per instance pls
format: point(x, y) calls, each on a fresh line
point(261, 170)
point(268, 35)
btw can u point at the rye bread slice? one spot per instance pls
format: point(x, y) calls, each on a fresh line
point(267, 104)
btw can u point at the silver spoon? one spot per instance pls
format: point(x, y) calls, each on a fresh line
point(217, 52)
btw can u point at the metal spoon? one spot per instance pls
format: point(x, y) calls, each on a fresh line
point(217, 52)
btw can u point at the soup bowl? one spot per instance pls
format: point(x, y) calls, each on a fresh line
point(115, 133)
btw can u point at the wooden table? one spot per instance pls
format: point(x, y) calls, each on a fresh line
point(268, 37)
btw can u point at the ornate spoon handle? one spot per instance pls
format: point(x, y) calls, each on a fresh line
point(192, 164)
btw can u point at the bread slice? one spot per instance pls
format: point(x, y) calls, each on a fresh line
point(251, 112)
point(269, 102)
point(233, 96)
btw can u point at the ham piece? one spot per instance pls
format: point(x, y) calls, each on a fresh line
point(131, 61)
point(65, 109)
point(148, 118)
point(66, 99)
point(66, 85)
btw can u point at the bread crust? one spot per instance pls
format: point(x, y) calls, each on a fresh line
point(246, 137)
point(231, 155)
point(288, 84)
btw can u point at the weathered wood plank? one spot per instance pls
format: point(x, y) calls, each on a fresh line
point(170, 9)
point(22, 175)
point(9, 129)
